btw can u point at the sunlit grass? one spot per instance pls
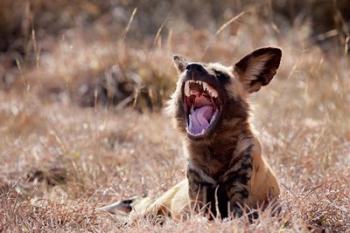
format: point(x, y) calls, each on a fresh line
point(111, 151)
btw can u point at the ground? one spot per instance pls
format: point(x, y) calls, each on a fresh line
point(60, 160)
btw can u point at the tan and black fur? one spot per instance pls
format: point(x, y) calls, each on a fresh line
point(226, 172)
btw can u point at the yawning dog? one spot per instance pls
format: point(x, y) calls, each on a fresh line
point(226, 172)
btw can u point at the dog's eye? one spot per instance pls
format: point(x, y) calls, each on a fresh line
point(222, 77)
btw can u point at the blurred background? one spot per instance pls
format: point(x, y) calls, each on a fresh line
point(83, 84)
point(83, 45)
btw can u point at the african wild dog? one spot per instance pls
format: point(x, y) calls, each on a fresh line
point(226, 172)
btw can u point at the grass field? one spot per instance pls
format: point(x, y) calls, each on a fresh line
point(83, 126)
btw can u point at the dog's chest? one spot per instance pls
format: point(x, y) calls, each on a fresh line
point(214, 160)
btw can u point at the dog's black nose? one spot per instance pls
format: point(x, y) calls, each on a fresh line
point(194, 67)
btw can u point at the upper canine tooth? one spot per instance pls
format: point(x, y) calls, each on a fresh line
point(187, 88)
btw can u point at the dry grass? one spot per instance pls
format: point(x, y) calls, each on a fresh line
point(58, 161)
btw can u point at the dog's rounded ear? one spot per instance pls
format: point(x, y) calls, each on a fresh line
point(258, 68)
point(180, 63)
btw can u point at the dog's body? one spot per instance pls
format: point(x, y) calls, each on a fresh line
point(226, 172)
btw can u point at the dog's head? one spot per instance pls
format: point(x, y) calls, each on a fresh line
point(208, 94)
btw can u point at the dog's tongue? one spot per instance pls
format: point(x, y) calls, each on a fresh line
point(199, 119)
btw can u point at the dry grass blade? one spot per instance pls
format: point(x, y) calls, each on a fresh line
point(221, 28)
point(226, 24)
point(127, 28)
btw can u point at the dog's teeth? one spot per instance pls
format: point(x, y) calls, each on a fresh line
point(213, 92)
point(187, 88)
point(205, 86)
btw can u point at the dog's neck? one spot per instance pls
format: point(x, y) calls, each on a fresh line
point(212, 155)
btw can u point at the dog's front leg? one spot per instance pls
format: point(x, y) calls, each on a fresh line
point(236, 181)
point(201, 191)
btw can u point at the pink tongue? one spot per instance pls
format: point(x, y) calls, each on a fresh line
point(199, 119)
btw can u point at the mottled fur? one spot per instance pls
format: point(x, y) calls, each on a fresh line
point(226, 172)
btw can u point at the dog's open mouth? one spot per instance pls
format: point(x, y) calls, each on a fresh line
point(202, 107)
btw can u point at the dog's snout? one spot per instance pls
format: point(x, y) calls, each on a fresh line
point(194, 67)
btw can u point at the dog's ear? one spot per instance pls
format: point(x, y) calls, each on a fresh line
point(258, 68)
point(180, 63)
